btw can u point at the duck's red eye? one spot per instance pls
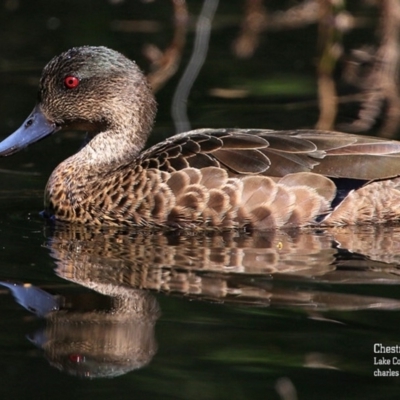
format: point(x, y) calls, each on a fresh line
point(71, 82)
point(76, 358)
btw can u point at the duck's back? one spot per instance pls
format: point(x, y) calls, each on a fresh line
point(278, 153)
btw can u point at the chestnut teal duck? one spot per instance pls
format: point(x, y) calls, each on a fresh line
point(202, 179)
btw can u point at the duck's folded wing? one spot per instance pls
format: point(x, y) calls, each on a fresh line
point(355, 156)
point(233, 150)
point(278, 153)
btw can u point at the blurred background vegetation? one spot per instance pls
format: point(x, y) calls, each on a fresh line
point(329, 64)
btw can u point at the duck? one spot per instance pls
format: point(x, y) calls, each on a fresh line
point(218, 179)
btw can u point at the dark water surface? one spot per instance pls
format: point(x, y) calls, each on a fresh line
point(281, 315)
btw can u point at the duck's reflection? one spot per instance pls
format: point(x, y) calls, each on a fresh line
point(219, 267)
point(286, 268)
point(90, 335)
point(102, 343)
point(110, 331)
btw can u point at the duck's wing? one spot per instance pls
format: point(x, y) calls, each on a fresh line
point(278, 153)
point(234, 150)
point(353, 156)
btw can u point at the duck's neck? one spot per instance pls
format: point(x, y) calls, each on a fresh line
point(112, 148)
point(122, 141)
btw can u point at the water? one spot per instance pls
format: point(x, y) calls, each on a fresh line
point(281, 315)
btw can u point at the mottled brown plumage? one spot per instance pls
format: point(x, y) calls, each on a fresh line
point(207, 178)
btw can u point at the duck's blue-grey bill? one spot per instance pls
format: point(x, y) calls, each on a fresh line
point(34, 128)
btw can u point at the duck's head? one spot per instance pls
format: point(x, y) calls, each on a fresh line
point(93, 89)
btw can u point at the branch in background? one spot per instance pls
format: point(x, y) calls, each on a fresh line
point(257, 20)
point(254, 22)
point(165, 64)
point(298, 16)
point(332, 24)
point(381, 85)
point(192, 70)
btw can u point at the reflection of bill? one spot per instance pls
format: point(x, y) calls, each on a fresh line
point(91, 335)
